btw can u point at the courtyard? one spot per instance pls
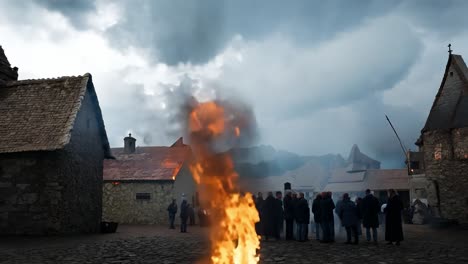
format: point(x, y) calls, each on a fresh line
point(157, 244)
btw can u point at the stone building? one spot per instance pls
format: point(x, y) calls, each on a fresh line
point(142, 181)
point(444, 145)
point(51, 156)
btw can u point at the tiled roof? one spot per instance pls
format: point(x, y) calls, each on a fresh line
point(146, 164)
point(375, 180)
point(37, 115)
point(453, 113)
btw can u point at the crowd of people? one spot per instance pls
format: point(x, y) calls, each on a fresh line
point(294, 213)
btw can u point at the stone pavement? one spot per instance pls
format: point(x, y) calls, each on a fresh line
point(154, 244)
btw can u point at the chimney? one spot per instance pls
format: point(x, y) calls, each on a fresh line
point(129, 144)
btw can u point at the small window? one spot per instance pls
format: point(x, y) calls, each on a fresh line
point(438, 152)
point(415, 165)
point(143, 196)
point(451, 74)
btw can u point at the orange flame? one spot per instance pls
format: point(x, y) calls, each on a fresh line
point(232, 233)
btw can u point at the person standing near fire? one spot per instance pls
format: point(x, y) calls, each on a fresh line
point(279, 213)
point(172, 210)
point(289, 215)
point(259, 206)
point(184, 213)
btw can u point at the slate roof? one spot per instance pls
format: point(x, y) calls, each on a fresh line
point(375, 180)
point(39, 115)
point(6, 71)
point(359, 161)
point(146, 164)
point(450, 116)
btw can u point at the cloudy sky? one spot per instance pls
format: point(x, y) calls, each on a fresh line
point(319, 75)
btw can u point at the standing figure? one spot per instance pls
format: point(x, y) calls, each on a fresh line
point(303, 218)
point(327, 206)
point(370, 215)
point(270, 219)
point(393, 224)
point(294, 205)
point(279, 213)
point(259, 206)
point(172, 210)
point(317, 215)
point(191, 215)
point(183, 216)
point(289, 215)
point(349, 218)
point(359, 214)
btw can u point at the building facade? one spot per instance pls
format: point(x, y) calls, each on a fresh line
point(141, 182)
point(444, 145)
point(51, 157)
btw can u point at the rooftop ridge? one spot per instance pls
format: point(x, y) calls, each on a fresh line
point(39, 80)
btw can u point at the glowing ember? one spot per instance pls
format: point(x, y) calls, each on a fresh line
point(232, 233)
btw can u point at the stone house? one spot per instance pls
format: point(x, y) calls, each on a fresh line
point(444, 145)
point(142, 181)
point(51, 156)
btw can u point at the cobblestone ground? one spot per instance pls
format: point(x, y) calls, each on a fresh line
point(150, 244)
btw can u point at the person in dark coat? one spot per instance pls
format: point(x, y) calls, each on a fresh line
point(303, 218)
point(393, 224)
point(370, 215)
point(184, 213)
point(295, 200)
point(349, 218)
point(326, 206)
point(270, 219)
point(317, 215)
point(191, 214)
point(279, 213)
point(289, 215)
point(359, 214)
point(259, 206)
point(172, 210)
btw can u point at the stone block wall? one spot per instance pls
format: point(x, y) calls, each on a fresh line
point(30, 194)
point(120, 203)
point(55, 192)
point(447, 167)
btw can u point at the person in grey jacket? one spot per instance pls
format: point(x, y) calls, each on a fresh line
point(348, 213)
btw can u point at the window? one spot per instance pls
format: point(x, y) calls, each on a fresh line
point(451, 73)
point(438, 152)
point(414, 165)
point(143, 196)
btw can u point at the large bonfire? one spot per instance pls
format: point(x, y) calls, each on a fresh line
point(233, 214)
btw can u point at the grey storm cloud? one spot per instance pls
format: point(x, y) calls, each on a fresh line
point(195, 31)
point(316, 73)
point(74, 10)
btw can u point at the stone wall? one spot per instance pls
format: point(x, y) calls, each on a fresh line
point(82, 170)
point(447, 167)
point(30, 193)
point(52, 192)
point(120, 203)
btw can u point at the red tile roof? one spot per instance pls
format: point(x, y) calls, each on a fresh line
point(146, 164)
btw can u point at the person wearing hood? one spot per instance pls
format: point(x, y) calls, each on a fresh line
point(393, 222)
point(317, 215)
